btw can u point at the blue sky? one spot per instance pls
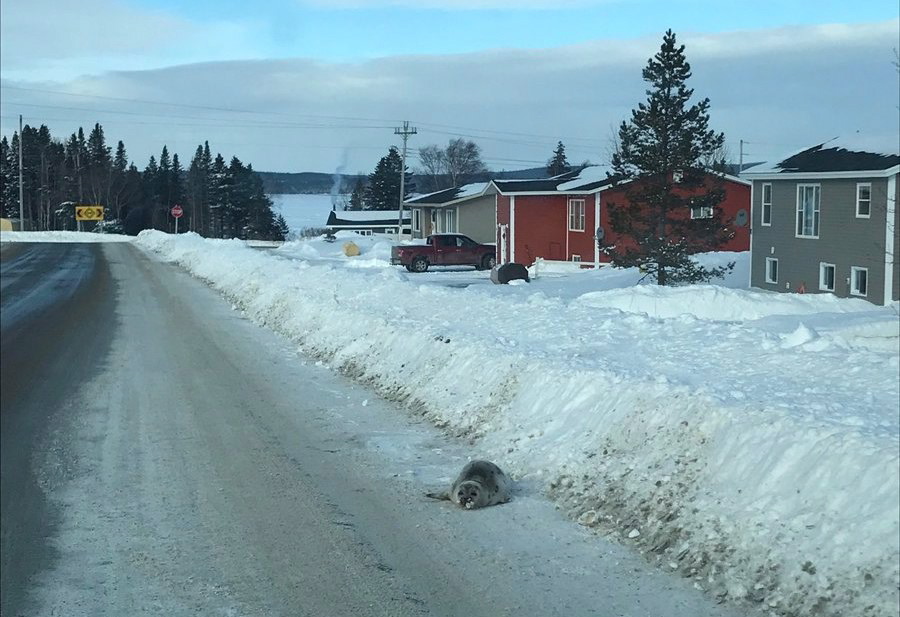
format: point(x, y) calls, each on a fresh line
point(364, 29)
point(294, 74)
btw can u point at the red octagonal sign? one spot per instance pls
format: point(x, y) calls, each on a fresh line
point(177, 212)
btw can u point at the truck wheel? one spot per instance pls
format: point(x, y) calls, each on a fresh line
point(488, 262)
point(419, 264)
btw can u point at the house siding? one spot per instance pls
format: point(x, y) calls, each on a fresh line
point(477, 219)
point(542, 229)
point(735, 206)
point(844, 240)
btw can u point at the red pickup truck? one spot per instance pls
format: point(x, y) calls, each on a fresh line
point(444, 250)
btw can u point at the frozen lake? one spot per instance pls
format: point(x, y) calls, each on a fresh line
point(303, 210)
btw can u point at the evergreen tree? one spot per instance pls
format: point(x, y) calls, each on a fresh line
point(9, 179)
point(663, 148)
point(98, 167)
point(282, 228)
point(383, 189)
point(358, 195)
point(218, 196)
point(558, 164)
point(118, 181)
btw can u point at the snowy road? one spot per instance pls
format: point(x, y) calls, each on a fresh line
point(176, 459)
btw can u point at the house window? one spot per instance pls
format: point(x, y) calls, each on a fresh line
point(450, 221)
point(859, 281)
point(701, 212)
point(576, 258)
point(863, 200)
point(771, 270)
point(576, 215)
point(766, 204)
point(364, 232)
point(417, 220)
point(826, 277)
point(808, 210)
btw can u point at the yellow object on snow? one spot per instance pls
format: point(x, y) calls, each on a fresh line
point(350, 249)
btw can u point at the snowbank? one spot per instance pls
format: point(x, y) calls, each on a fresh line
point(61, 236)
point(718, 303)
point(759, 459)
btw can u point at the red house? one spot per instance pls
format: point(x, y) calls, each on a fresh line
point(557, 218)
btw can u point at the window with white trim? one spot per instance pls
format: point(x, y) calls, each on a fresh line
point(826, 276)
point(417, 220)
point(365, 232)
point(450, 221)
point(576, 258)
point(863, 200)
point(576, 215)
point(701, 212)
point(766, 214)
point(808, 210)
point(771, 270)
point(859, 281)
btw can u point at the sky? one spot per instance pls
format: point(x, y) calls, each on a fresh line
point(317, 85)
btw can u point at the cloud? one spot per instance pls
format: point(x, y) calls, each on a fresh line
point(49, 39)
point(778, 90)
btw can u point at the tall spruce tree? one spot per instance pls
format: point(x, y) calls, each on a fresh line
point(358, 195)
point(383, 188)
point(664, 148)
point(9, 205)
point(558, 163)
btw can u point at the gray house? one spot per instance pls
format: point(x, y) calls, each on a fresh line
point(465, 210)
point(824, 220)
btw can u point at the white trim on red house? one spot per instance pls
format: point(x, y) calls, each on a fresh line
point(512, 228)
point(889, 248)
point(596, 226)
point(750, 281)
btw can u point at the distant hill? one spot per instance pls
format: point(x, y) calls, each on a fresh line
point(316, 182)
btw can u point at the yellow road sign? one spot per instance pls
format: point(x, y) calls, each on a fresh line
point(88, 213)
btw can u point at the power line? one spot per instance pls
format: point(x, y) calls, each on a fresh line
point(471, 132)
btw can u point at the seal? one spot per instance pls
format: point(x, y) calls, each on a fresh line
point(479, 484)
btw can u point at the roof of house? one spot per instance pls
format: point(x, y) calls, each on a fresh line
point(579, 180)
point(447, 196)
point(358, 218)
point(590, 179)
point(834, 156)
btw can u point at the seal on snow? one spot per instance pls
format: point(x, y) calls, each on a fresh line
point(480, 484)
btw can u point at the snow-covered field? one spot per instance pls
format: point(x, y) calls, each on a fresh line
point(303, 211)
point(748, 440)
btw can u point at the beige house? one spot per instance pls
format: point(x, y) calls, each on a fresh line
point(467, 210)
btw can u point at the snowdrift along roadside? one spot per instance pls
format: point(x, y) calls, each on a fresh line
point(767, 472)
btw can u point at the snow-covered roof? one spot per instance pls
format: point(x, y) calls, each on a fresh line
point(579, 180)
point(838, 155)
point(452, 195)
point(588, 178)
point(368, 217)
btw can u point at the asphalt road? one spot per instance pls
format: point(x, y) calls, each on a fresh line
point(163, 455)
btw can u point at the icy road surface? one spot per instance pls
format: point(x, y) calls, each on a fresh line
point(196, 464)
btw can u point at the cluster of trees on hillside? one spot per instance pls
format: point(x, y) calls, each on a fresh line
point(219, 199)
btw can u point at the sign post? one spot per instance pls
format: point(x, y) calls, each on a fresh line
point(177, 212)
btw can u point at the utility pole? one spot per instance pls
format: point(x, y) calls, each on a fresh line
point(21, 188)
point(405, 132)
point(741, 160)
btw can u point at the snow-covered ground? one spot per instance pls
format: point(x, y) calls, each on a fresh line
point(304, 211)
point(748, 440)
